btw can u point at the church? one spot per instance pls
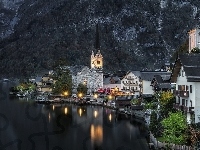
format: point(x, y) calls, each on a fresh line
point(91, 77)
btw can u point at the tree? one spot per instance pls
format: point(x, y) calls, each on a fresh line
point(195, 50)
point(63, 82)
point(153, 126)
point(82, 89)
point(166, 100)
point(175, 128)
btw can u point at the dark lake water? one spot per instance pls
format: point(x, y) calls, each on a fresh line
point(25, 125)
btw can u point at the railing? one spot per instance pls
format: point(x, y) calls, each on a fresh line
point(183, 108)
point(184, 93)
point(130, 84)
point(177, 106)
point(181, 93)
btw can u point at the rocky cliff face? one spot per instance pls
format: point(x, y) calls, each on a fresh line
point(133, 34)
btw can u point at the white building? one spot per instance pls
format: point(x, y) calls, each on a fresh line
point(147, 77)
point(130, 84)
point(186, 75)
point(194, 38)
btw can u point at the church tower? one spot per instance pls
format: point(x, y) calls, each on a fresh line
point(97, 60)
point(194, 38)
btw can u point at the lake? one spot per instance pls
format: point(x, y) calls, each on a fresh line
point(26, 125)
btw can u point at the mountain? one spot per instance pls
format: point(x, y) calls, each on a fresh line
point(134, 35)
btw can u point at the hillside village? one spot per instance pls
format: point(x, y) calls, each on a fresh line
point(181, 79)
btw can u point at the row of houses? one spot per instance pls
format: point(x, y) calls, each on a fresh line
point(137, 83)
point(184, 77)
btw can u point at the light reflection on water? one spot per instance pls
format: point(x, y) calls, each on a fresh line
point(67, 126)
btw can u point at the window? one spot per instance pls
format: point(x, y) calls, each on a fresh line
point(178, 100)
point(186, 102)
point(135, 88)
point(182, 87)
point(187, 87)
point(98, 62)
point(179, 87)
point(190, 103)
point(183, 102)
point(190, 88)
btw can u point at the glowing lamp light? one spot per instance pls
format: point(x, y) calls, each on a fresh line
point(80, 94)
point(80, 112)
point(110, 97)
point(110, 117)
point(95, 113)
point(95, 96)
point(65, 93)
point(66, 110)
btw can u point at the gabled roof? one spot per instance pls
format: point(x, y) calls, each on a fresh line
point(75, 69)
point(149, 75)
point(191, 66)
point(107, 80)
point(136, 73)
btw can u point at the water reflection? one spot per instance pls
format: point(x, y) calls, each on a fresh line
point(65, 110)
point(96, 133)
point(110, 117)
point(95, 113)
point(67, 126)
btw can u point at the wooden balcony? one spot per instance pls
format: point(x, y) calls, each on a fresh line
point(130, 84)
point(183, 108)
point(177, 106)
point(130, 78)
point(181, 93)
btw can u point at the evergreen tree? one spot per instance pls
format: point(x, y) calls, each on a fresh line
point(82, 89)
point(153, 127)
point(63, 82)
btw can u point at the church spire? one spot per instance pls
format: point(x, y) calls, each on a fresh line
point(97, 42)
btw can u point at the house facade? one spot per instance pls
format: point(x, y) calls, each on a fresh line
point(186, 75)
point(111, 83)
point(44, 83)
point(148, 87)
point(131, 82)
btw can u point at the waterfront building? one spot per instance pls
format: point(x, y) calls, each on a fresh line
point(186, 75)
point(147, 77)
point(130, 83)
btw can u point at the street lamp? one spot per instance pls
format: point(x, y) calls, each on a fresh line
point(65, 93)
point(95, 96)
point(80, 95)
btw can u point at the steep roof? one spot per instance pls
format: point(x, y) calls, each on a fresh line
point(107, 80)
point(191, 66)
point(136, 73)
point(149, 75)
